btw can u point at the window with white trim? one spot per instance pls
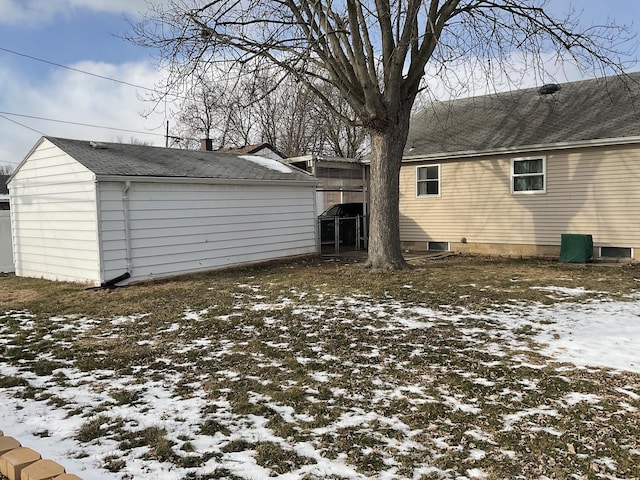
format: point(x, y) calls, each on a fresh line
point(528, 175)
point(428, 181)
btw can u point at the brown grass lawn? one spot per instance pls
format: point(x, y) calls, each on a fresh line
point(317, 368)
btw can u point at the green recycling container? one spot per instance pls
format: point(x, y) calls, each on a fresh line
point(576, 248)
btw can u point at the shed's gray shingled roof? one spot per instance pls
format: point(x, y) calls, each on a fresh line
point(583, 111)
point(119, 159)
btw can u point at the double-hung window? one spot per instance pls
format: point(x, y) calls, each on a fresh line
point(528, 175)
point(428, 181)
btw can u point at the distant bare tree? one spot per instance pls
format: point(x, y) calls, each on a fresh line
point(285, 116)
point(133, 141)
point(216, 106)
point(6, 169)
point(264, 108)
point(338, 138)
point(302, 124)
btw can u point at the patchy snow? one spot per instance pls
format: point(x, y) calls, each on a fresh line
point(564, 291)
point(268, 163)
point(598, 333)
point(601, 333)
point(575, 398)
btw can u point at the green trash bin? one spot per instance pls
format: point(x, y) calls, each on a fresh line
point(576, 248)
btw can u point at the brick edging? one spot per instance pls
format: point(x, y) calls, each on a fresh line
point(22, 463)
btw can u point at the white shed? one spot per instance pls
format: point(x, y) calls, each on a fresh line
point(94, 212)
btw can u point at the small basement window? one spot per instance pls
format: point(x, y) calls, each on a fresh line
point(616, 252)
point(438, 246)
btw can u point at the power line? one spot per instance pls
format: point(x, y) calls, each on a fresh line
point(79, 70)
point(2, 114)
point(21, 124)
point(96, 75)
point(85, 72)
point(9, 162)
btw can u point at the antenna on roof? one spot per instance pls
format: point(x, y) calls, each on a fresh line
point(98, 145)
point(549, 88)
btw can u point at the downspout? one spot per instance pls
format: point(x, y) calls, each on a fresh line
point(127, 224)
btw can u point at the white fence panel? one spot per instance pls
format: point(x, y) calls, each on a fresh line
point(6, 251)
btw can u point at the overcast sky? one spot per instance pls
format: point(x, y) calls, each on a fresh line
point(86, 35)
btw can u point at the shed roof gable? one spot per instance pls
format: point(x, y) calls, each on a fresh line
point(126, 160)
point(580, 112)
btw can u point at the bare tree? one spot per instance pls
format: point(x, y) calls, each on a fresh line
point(285, 112)
point(375, 53)
point(133, 141)
point(6, 169)
point(338, 138)
point(264, 108)
point(214, 106)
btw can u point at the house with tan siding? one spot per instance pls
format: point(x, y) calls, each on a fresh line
point(510, 173)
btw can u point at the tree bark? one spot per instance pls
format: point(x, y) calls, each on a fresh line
point(387, 146)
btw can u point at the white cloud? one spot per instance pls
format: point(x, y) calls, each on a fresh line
point(37, 12)
point(74, 97)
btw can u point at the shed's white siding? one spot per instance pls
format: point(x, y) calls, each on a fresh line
point(54, 217)
point(177, 228)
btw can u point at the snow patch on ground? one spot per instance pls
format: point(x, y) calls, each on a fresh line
point(602, 333)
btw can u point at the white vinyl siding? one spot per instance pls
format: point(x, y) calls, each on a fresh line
point(54, 218)
point(589, 191)
point(176, 228)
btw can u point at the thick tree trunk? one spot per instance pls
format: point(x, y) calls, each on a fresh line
point(387, 146)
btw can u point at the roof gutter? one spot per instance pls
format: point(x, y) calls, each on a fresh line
point(210, 181)
point(522, 149)
point(321, 158)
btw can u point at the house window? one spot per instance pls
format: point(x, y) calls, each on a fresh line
point(528, 175)
point(428, 181)
point(438, 246)
point(616, 252)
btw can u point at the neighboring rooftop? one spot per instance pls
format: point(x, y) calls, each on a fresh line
point(249, 149)
point(574, 114)
point(120, 159)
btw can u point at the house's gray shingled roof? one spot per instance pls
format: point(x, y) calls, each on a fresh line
point(581, 111)
point(119, 159)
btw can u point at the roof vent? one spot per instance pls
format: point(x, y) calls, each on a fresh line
point(98, 145)
point(549, 88)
